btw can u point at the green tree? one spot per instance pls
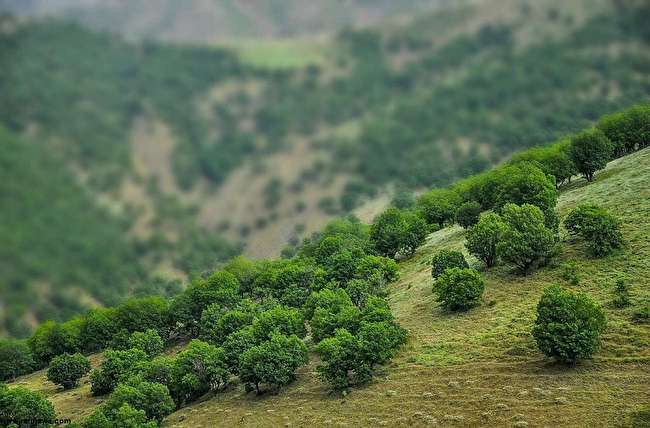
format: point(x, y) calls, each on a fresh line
point(199, 369)
point(342, 365)
point(51, 339)
point(482, 238)
point(459, 289)
point(590, 151)
point(446, 259)
point(274, 362)
point(333, 309)
point(152, 398)
point(117, 366)
point(468, 214)
point(628, 130)
point(143, 313)
point(379, 341)
point(568, 325)
point(148, 341)
point(438, 206)
point(217, 324)
point(15, 358)
point(527, 242)
point(66, 370)
point(286, 321)
point(21, 404)
point(600, 229)
point(100, 324)
point(124, 417)
point(236, 344)
point(397, 232)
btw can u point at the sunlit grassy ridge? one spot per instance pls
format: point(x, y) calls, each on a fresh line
point(280, 53)
point(480, 367)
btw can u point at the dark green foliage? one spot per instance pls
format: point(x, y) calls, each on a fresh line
point(438, 206)
point(459, 289)
point(483, 238)
point(285, 321)
point(600, 229)
point(397, 232)
point(527, 242)
point(150, 397)
point(621, 294)
point(21, 404)
point(15, 358)
point(236, 344)
point(116, 367)
point(100, 324)
point(332, 309)
point(148, 341)
point(379, 341)
point(244, 270)
point(524, 183)
point(342, 365)
point(124, 417)
point(39, 235)
point(446, 259)
point(220, 288)
point(274, 362)
point(143, 313)
point(288, 281)
point(217, 324)
point(568, 325)
point(628, 130)
point(468, 214)
point(403, 199)
point(553, 160)
point(51, 339)
point(66, 370)
point(199, 369)
point(590, 151)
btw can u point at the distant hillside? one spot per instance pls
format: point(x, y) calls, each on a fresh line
point(205, 150)
point(475, 368)
point(208, 21)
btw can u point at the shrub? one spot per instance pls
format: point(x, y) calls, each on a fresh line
point(274, 362)
point(148, 341)
point(117, 366)
point(342, 365)
point(15, 358)
point(570, 273)
point(124, 417)
point(397, 232)
point(590, 151)
point(459, 289)
point(150, 397)
point(527, 242)
point(621, 294)
point(446, 259)
point(600, 229)
point(379, 341)
point(484, 236)
point(21, 404)
point(468, 214)
point(66, 370)
point(568, 325)
point(199, 369)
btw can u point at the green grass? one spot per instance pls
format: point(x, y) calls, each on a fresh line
point(279, 53)
point(481, 367)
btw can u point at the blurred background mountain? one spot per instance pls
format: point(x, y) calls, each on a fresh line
point(129, 163)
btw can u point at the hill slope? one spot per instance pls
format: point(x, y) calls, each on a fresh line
point(481, 367)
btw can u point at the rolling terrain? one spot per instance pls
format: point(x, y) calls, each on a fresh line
point(482, 367)
point(192, 153)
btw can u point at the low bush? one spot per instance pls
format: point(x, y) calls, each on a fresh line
point(447, 259)
point(568, 325)
point(459, 289)
point(66, 370)
point(597, 227)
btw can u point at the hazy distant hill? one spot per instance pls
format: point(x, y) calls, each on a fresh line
point(212, 20)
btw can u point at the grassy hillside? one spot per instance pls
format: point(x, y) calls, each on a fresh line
point(197, 145)
point(481, 367)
